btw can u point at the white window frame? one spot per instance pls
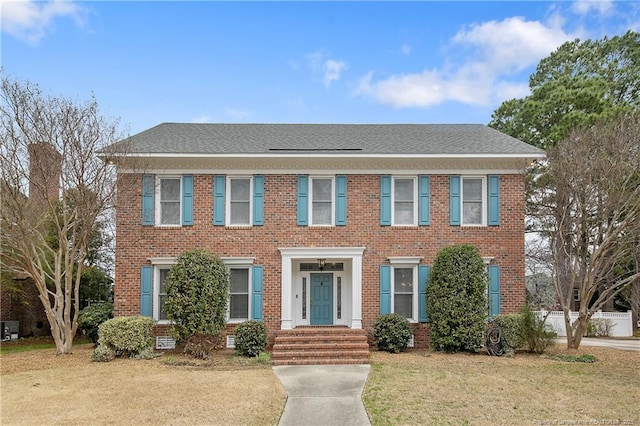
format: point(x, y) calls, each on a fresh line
point(415, 200)
point(166, 263)
point(240, 263)
point(406, 262)
point(333, 200)
point(228, 201)
point(483, 208)
point(158, 201)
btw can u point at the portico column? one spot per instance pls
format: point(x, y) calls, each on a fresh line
point(285, 297)
point(356, 297)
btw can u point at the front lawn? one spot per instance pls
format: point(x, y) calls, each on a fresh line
point(422, 387)
point(38, 387)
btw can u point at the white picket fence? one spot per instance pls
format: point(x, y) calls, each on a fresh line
point(622, 321)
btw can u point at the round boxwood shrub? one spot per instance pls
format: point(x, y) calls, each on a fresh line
point(456, 299)
point(126, 336)
point(197, 288)
point(91, 317)
point(251, 338)
point(391, 333)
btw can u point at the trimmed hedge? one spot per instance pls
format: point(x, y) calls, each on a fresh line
point(251, 338)
point(391, 333)
point(126, 336)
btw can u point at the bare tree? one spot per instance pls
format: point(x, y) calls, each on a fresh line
point(593, 216)
point(54, 188)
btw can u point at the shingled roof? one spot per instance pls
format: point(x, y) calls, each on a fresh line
point(354, 139)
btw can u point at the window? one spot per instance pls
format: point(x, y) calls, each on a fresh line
point(159, 312)
point(404, 201)
point(239, 295)
point(321, 201)
point(473, 201)
point(169, 196)
point(403, 291)
point(239, 201)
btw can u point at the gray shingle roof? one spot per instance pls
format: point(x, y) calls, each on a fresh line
point(421, 139)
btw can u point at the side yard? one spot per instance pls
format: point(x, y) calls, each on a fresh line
point(421, 387)
point(39, 388)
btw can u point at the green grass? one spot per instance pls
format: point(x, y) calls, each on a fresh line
point(25, 348)
point(27, 344)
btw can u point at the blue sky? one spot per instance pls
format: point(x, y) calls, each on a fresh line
point(295, 62)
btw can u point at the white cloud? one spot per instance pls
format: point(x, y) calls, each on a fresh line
point(237, 114)
point(204, 118)
point(494, 51)
point(29, 21)
point(602, 7)
point(332, 70)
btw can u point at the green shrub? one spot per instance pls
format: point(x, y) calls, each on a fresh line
point(201, 345)
point(251, 338)
point(391, 333)
point(197, 289)
point(573, 358)
point(536, 333)
point(127, 336)
point(103, 354)
point(91, 317)
point(599, 327)
point(510, 326)
point(457, 299)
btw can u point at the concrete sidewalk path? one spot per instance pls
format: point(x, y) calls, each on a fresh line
point(329, 395)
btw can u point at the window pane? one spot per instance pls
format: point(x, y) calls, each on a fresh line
point(239, 281)
point(321, 189)
point(240, 189)
point(321, 213)
point(169, 190)
point(472, 189)
point(163, 277)
point(162, 313)
point(472, 213)
point(402, 305)
point(170, 213)
point(403, 213)
point(403, 280)
point(239, 213)
point(239, 306)
point(403, 189)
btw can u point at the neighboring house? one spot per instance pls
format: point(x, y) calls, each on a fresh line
point(320, 224)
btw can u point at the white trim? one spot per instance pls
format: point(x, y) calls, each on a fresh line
point(332, 200)
point(249, 269)
point(156, 292)
point(415, 290)
point(238, 261)
point(162, 260)
point(157, 202)
point(483, 195)
point(406, 260)
point(346, 171)
point(264, 155)
point(415, 200)
point(227, 207)
point(349, 253)
point(487, 259)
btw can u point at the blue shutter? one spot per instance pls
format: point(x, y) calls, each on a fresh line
point(341, 200)
point(219, 182)
point(385, 200)
point(146, 291)
point(385, 289)
point(423, 276)
point(494, 290)
point(454, 200)
point(424, 200)
point(303, 200)
point(256, 294)
point(148, 192)
point(187, 200)
point(494, 199)
point(258, 200)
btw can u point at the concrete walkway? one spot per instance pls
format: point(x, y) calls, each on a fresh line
point(329, 395)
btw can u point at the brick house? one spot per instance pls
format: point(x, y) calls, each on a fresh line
point(320, 224)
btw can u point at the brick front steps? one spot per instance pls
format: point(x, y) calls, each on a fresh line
point(320, 345)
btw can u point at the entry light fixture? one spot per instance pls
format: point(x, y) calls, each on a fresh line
point(321, 263)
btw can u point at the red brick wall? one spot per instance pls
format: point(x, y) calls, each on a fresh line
point(135, 243)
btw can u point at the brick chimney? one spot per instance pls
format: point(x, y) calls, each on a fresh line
point(45, 168)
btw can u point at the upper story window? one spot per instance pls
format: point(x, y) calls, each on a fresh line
point(169, 196)
point(473, 201)
point(321, 201)
point(239, 196)
point(404, 201)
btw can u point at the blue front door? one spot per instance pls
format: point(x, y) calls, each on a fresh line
point(321, 299)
